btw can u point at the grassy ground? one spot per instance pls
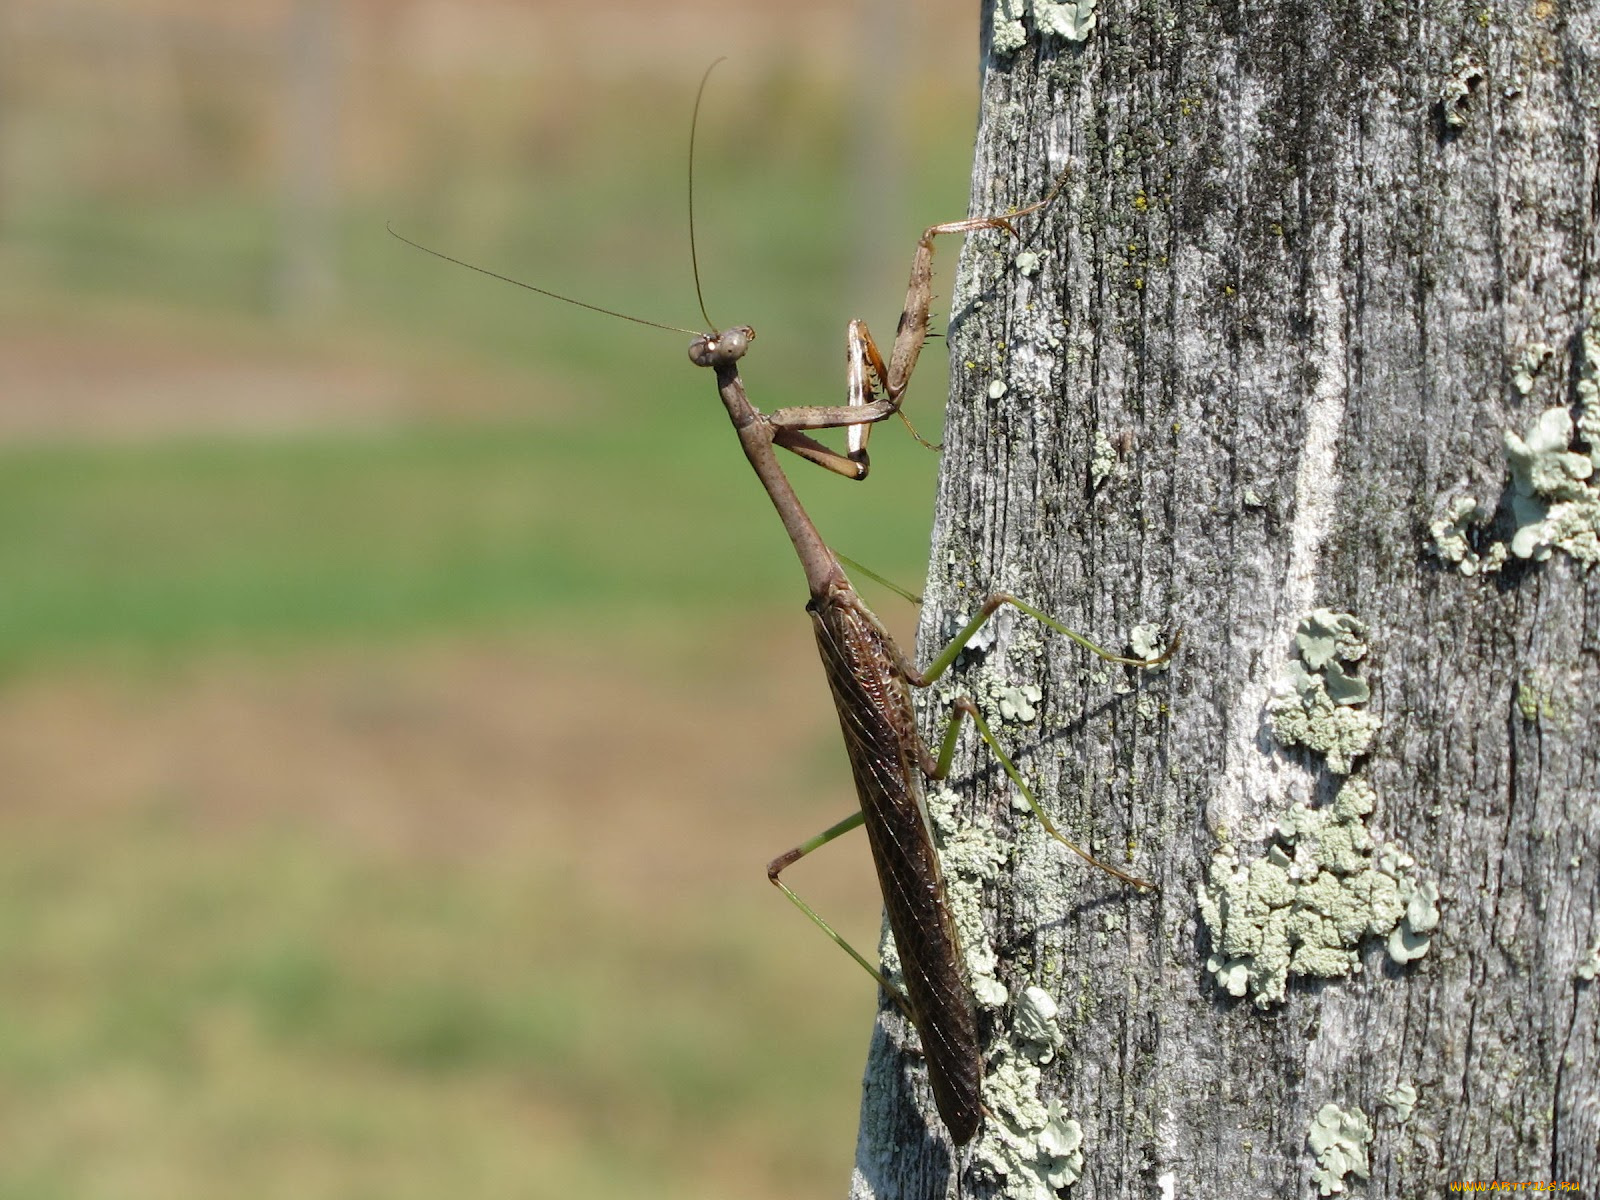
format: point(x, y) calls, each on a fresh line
point(389, 784)
point(363, 923)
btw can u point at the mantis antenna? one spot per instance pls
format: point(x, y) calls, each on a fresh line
point(389, 225)
point(694, 258)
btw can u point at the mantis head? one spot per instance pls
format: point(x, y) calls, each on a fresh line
point(721, 349)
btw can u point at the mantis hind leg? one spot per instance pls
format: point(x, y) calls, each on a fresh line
point(788, 858)
point(966, 708)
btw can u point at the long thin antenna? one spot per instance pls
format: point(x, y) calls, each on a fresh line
point(542, 291)
point(694, 259)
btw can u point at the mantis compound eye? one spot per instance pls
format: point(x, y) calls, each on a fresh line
point(733, 343)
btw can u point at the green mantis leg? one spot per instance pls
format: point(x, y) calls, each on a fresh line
point(966, 708)
point(789, 858)
point(947, 748)
point(992, 605)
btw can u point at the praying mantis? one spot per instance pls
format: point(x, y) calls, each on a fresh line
point(869, 676)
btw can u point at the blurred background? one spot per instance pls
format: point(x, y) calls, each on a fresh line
point(403, 681)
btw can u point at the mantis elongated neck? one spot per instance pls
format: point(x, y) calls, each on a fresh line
point(823, 573)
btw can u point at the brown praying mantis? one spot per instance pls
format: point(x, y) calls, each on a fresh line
point(870, 677)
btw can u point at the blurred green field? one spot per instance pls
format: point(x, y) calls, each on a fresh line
point(175, 548)
point(388, 799)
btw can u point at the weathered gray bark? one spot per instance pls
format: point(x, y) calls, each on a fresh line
point(1297, 279)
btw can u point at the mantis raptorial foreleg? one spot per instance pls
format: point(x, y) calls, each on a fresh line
point(874, 387)
point(938, 766)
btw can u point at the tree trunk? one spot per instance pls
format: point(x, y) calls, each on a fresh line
point(1299, 361)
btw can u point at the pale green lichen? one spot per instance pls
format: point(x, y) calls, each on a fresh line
point(981, 640)
point(1541, 463)
point(1034, 1025)
point(1322, 886)
point(1589, 968)
point(1452, 542)
point(1314, 705)
point(1554, 502)
point(1410, 939)
point(1400, 1100)
point(1589, 393)
point(1030, 1149)
point(1339, 1140)
point(1103, 462)
point(1527, 367)
point(1061, 1150)
point(987, 990)
point(997, 389)
point(1028, 262)
point(999, 700)
point(1009, 34)
point(1073, 20)
point(1306, 905)
point(972, 855)
point(1326, 638)
point(1017, 703)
